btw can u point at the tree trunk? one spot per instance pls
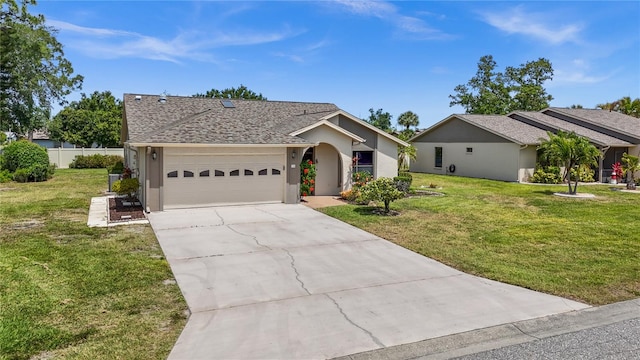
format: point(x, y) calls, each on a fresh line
point(386, 206)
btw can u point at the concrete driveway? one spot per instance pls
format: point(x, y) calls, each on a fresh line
point(286, 282)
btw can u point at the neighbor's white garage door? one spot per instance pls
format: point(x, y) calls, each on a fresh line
point(197, 179)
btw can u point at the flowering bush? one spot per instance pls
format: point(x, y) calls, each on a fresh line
point(307, 178)
point(381, 189)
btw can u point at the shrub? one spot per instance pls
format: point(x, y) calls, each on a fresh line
point(27, 161)
point(547, 175)
point(382, 189)
point(402, 183)
point(23, 155)
point(5, 176)
point(349, 195)
point(126, 186)
point(584, 172)
point(360, 179)
point(307, 178)
point(116, 168)
point(96, 161)
point(21, 175)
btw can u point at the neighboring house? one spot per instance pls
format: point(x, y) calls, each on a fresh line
point(504, 147)
point(190, 152)
point(41, 137)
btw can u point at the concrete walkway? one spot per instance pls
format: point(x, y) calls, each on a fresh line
point(284, 281)
point(317, 202)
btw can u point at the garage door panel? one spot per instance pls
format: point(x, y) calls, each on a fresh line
point(222, 179)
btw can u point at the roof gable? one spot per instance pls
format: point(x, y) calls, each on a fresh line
point(501, 126)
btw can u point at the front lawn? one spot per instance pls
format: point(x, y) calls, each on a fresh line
point(583, 249)
point(67, 290)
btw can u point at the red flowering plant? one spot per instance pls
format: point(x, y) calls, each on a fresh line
point(307, 178)
point(617, 169)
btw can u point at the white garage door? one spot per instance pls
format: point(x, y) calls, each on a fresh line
point(192, 180)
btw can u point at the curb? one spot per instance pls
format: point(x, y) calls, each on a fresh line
point(496, 337)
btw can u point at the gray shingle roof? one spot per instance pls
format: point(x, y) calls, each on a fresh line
point(556, 123)
point(608, 119)
point(206, 121)
point(507, 127)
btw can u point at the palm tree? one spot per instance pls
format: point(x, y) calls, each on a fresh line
point(624, 105)
point(630, 165)
point(408, 119)
point(569, 150)
point(405, 155)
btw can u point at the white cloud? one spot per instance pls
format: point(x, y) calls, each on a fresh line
point(577, 77)
point(390, 13)
point(518, 21)
point(194, 45)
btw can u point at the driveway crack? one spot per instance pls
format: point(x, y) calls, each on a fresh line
point(247, 235)
point(218, 214)
point(375, 339)
point(293, 266)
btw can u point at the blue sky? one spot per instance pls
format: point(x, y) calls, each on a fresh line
point(397, 56)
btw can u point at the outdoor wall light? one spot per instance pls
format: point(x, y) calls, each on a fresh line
point(293, 154)
point(154, 155)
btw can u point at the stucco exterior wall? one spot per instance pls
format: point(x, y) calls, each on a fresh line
point(498, 161)
point(386, 158)
point(342, 144)
point(528, 157)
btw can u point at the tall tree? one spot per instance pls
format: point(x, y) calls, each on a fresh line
point(568, 150)
point(95, 119)
point(494, 92)
point(408, 119)
point(380, 119)
point(242, 92)
point(624, 105)
point(33, 70)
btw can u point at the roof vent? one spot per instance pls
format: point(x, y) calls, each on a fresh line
point(138, 98)
point(305, 111)
point(227, 103)
point(162, 99)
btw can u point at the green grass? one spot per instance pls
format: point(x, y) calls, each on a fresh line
point(67, 290)
point(583, 249)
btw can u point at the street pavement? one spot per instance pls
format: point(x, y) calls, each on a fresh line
point(286, 282)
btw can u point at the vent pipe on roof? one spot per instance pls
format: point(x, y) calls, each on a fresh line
point(138, 98)
point(305, 111)
point(162, 99)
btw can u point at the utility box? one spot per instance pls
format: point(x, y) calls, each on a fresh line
point(113, 178)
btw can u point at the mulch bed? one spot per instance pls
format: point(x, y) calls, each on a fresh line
point(118, 212)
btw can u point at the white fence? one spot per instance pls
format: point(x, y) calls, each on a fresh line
point(62, 157)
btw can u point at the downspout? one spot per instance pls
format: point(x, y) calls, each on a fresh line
point(135, 151)
point(603, 151)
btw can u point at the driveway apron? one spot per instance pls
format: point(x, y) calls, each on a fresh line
point(284, 281)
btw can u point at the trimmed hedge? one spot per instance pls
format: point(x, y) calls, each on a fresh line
point(26, 161)
point(96, 161)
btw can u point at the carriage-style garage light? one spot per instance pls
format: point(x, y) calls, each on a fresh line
point(293, 154)
point(154, 155)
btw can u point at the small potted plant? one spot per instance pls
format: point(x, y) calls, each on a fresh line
point(617, 171)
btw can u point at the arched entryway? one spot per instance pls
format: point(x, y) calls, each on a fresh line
point(328, 169)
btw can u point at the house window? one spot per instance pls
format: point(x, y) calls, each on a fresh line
point(363, 161)
point(262, 172)
point(172, 174)
point(218, 173)
point(438, 157)
point(469, 150)
point(248, 172)
point(188, 173)
point(234, 173)
point(204, 173)
point(275, 172)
